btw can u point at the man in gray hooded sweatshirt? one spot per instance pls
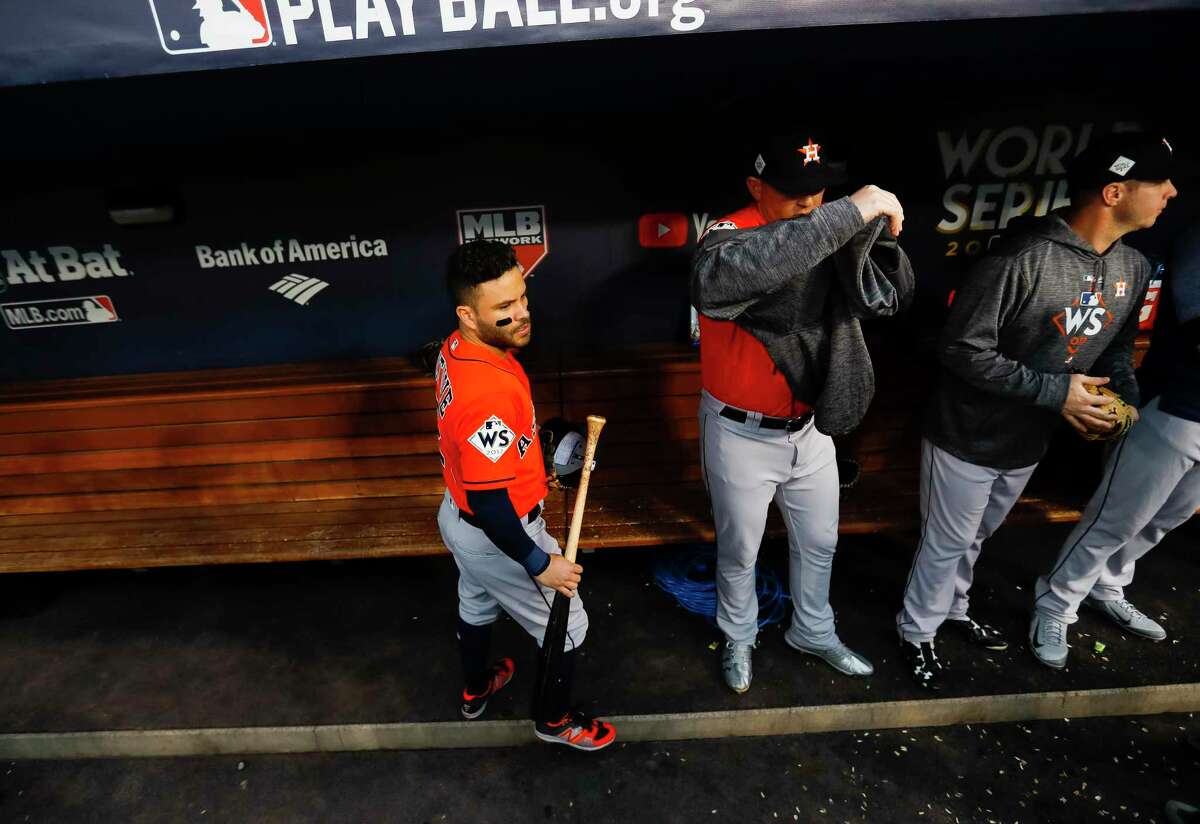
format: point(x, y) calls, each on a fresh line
point(1052, 309)
point(1151, 482)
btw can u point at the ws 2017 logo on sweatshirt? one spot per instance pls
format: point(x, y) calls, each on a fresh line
point(1087, 317)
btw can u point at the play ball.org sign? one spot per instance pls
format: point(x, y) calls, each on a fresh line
point(521, 227)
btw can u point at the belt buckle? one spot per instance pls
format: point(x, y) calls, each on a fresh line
point(795, 424)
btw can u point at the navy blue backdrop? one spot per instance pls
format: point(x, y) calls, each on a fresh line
point(968, 122)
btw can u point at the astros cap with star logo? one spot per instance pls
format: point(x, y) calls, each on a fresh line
point(796, 164)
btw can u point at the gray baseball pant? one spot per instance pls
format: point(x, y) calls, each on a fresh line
point(746, 468)
point(962, 504)
point(1151, 485)
point(489, 581)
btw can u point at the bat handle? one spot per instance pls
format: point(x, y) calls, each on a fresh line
point(594, 424)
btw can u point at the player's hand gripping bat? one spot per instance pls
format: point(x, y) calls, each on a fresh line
point(556, 627)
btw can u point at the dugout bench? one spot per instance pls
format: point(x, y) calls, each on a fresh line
point(329, 461)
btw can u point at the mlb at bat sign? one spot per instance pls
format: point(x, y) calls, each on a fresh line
point(64, 264)
point(82, 39)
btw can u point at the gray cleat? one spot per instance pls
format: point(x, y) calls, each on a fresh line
point(1048, 640)
point(736, 666)
point(839, 656)
point(1128, 617)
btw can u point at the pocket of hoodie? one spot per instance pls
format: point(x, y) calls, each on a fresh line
point(811, 345)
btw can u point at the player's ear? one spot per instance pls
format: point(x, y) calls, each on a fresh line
point(467, 318)
point(1112, 194)
point(755, 187)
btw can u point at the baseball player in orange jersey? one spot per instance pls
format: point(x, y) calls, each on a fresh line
point(768, 289)
point(490, 518)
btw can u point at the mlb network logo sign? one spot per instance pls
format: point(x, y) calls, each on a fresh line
point(190, 26)
point(42, 314)
point(521, 227)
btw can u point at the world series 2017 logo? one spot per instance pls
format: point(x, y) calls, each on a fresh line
point(190, 26)
point(522, 227)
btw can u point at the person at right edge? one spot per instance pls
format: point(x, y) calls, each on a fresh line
point(1151, 481)
point(1052, 309)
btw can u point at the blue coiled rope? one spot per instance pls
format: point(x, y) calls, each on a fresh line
point(689, 576)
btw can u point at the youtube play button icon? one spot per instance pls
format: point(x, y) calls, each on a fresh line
point(663, 230)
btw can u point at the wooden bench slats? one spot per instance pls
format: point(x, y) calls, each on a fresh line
point(654, 409)
point(259, 493)
point(633, 386)
point(157, 531)
point(269, 551)
point(390, 531)
point(221, 454)
point(418, 401)
point(157, 414)
point(339, 461)
point(272, 472)
point(110, 518)
point(273, 382)
point(267, 431)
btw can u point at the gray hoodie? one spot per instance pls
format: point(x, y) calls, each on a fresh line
point(800, 286)
point(1041, 305)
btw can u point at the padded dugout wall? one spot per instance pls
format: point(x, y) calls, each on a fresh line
point(387, 151)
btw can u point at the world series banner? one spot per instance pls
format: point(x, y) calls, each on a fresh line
point(82, 39)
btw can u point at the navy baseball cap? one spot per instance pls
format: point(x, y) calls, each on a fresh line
point(1121, 157)
point(795, 164)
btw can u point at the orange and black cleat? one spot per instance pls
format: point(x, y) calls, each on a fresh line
point(577, 730)
point(474, 705)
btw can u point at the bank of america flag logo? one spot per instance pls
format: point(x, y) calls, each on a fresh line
point(298, 288)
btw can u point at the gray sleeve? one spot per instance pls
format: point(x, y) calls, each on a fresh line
point(991, 293)
point(1116, 361)
point(732, 269)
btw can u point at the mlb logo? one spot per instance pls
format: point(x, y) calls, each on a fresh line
point(1089, 299)
point(191, 26)
point(521, 227)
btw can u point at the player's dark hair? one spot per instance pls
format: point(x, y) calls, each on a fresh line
point(474, 263)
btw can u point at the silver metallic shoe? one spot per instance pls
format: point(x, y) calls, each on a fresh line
point(736, 666)
point(1048, 640)
point(839, 656)
point(1127, 616)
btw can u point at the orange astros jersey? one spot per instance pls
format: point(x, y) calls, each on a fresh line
point(487, 428)
point(734, 365)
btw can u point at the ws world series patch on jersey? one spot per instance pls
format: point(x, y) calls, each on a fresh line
point(493, 438)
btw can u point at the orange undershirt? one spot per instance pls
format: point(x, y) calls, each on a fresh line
point(734, 365)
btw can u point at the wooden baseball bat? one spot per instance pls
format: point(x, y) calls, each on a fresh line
point(555, 639)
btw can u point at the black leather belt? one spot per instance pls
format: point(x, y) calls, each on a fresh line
point(529, 518)
point(767, 422)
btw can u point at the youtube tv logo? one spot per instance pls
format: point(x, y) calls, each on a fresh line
point(663, 230)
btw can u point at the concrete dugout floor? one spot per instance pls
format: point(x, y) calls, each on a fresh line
point(373, 641)
point(1093, 770)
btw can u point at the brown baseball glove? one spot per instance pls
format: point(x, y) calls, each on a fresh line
point(1118, 407)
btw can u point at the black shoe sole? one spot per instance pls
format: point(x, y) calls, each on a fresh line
point(965, 632)
point(551, 738)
